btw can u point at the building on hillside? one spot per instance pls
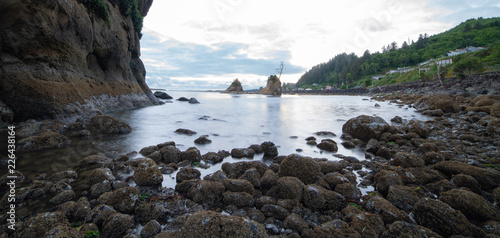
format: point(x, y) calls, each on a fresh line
point(444, 62)
point(466, 50)
point(377, 77)
point(328, 88)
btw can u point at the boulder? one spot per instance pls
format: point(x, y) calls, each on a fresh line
point(335, 229)
point(116, 225)
point(433, 113)
point(443, 219)
point(472, 205)
point(193, 101)
point(418, 127)
point(162, 95)
point(369, 225)
point(148, 211)
point(365, 127)
point(466, 181)
point(99, 188)
point(185, 132)
point(242, 153)
point(212, 157)
point(253, 176)
point(41, 224)
point(187, 173)
point(46, 140)
point(330, 166)
point(35, 128)
point(434, 102)
point(148, 150)
point(122, 199)
point(319, 199)
point(170, 154)
point(214, 224)
point(238, 169)
point(487, 178)
point(328, 145)
point(151, 229)
point(75, 211)
point(192, 154)
point(108, 125)
point(402, 197)
point(147, 173)
point(385, 178)
point(287, 188)
point(304, 168)
point(407, 160)
point(269, 179)
point(202, 140)
point(385, 209)
point(64, 196)
point(334, 179)
point(99, 213)
point(269, 149)
point(238, 185)
point(239, 199)
point(275, 211)
point(295, 223)
point(183, 99)
point(207, 192)
point(405, 229)
point(348, 191)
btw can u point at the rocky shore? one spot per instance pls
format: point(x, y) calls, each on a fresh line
point(436, 178)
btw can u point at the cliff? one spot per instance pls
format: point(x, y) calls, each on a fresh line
point(60, 58)
point(235, 87)
point(273, 86)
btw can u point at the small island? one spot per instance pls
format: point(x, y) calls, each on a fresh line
point(235, 88)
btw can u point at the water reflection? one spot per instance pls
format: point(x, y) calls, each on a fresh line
point(231, 121)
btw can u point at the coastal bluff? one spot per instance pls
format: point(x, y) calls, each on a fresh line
point(60, 58)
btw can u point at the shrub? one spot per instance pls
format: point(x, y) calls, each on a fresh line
point(99, 7)
point(130, 8)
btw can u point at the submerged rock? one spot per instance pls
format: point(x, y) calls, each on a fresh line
point(46, 140)
point(193, 101)
point(108, 125)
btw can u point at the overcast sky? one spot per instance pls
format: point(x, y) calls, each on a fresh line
point(206, 44)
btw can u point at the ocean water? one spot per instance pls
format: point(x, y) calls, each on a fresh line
point(230, 121)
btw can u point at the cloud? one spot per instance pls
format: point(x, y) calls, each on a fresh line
point(169, 61)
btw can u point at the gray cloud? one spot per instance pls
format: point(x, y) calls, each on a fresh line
point(167, 59)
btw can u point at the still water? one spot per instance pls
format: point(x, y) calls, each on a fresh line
point(230, 121)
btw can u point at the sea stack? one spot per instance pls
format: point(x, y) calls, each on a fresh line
point(235, 87)
point(273, 86)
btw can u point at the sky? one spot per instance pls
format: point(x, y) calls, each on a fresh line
point(206, 44)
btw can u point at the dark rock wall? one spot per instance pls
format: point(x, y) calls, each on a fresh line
point(58, 59)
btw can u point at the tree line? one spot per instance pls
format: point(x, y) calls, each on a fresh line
point(344, 69)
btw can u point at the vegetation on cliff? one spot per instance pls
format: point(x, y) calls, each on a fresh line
point(273, 86)
point(351, 70)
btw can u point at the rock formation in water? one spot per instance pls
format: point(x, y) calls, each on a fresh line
point(273, 86)
point(235, 87)
point(64, 57)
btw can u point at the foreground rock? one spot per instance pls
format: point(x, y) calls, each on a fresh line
point(365, 127)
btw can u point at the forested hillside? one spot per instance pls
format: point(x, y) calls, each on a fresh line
point(348, 68)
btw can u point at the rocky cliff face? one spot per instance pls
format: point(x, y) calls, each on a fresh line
point(57, 59)
point(273, 86)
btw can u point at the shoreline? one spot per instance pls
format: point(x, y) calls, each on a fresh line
point(431, 162)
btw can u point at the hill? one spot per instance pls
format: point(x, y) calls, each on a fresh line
point(349, 70)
